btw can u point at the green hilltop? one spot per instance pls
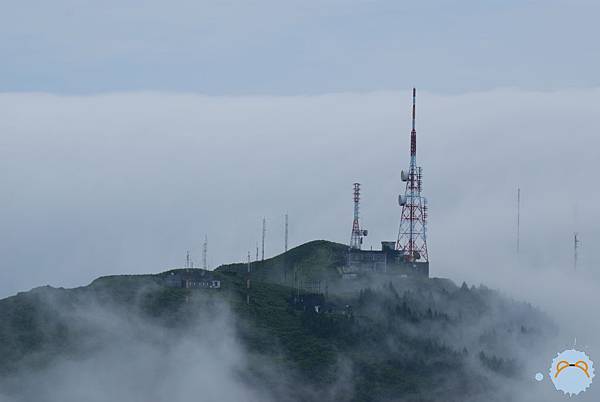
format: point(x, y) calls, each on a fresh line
point(318, 259)
point(390, 338)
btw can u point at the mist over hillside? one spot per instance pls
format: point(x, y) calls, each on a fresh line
point(139, 142)
point(128, 338)
point(146, 213)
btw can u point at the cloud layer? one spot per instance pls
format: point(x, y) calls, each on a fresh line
point(128, 182)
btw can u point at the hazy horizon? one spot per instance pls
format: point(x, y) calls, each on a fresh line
point(129, 133)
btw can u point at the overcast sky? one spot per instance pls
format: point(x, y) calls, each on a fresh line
point(297, 47)
point(130, 130)
point(128, 182)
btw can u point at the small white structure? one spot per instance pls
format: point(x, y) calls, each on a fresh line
point(201, 284)
point(192, 279)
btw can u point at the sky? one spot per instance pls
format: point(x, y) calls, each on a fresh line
point(293, 47)
point(127, 182)
point(130, 130)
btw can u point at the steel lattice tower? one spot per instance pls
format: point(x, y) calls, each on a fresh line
point(412, 234)
point(357, 232)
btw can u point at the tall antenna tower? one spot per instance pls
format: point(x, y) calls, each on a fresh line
point(205, 252)
point(518, 218)
point(356, 238)
point(412, 234)
point(576, 243)
point(286, 232)
point(264, 233)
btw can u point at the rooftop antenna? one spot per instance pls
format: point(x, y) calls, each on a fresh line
point(286, 232)
point(187, 259)
point(518, 218)
point(356, 238)
point(204, 252)
point(264, 233)
point(256, 259)
point(576, 243)
point(412, 234)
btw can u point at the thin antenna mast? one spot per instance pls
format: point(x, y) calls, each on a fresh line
point(286, 232)
point(187, 259)
point(204, 252)
point(248, 281)
point(264, 233)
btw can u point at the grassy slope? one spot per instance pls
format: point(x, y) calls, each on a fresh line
point(396, 343)
point(318, 258)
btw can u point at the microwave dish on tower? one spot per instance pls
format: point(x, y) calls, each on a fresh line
point(412, 234)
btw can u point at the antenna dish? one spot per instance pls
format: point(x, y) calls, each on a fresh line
point(401, 200)
point(403, 176)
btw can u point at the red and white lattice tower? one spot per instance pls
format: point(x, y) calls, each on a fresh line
point(412, 235)
point(357, 233)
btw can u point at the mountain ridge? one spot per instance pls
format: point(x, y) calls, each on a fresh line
point(415, 337)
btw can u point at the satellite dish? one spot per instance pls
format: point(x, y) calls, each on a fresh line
point(417, 255)
point(365, 232)
point(401, 200)
point(403, 176)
